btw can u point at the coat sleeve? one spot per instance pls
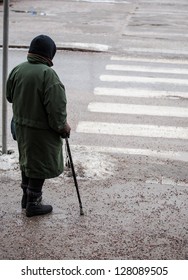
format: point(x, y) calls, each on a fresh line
point(55, 105)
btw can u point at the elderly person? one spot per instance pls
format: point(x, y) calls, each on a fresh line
point(39, 110)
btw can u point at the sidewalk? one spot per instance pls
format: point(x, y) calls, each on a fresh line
point(73, 25)
point(123, 221)
point(101, 26)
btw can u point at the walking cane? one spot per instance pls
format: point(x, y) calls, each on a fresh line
point(74, 176)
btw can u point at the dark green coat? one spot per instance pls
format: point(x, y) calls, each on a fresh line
point(39, 109)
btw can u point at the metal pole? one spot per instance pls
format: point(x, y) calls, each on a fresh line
point(5, 68)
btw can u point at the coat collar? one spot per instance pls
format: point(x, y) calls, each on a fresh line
point(35, 58)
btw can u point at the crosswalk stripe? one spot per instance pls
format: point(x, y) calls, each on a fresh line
point(133, 130)
point(134, 109)
point(165, 155)
point(139, 68)
point(138, 92)
point(138, 79)
point(158, 65)
point(152, 60)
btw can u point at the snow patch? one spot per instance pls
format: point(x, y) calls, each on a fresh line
point(89, 163)
point(9, 161)
point(85, 46)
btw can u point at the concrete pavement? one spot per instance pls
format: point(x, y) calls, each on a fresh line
point(123, 26)
point(82, 25)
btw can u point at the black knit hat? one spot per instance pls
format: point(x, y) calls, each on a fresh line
point(43, 45)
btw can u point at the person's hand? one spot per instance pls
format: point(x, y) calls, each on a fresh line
point(66, 131)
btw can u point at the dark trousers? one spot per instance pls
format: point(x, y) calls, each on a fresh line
point(34, 185)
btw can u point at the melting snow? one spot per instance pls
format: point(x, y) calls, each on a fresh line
point(88, 163)
point(9, 161)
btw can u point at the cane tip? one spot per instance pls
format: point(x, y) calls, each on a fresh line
point(81, 212)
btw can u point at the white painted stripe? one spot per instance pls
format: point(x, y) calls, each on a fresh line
point(140, 68)
point(147, 50)
point(137, 92)
point(153, 60)
point(138, 79)
point(105, 1)
point(133, 109)
point(165, 155)
point(143, 33)
point(167, 2)
point(133, 130)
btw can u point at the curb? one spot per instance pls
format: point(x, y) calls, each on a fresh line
point(79, 47)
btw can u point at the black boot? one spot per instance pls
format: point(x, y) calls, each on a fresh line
point(34, 206)
point(24, 196)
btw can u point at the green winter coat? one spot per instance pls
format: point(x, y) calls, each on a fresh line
point(39, 109)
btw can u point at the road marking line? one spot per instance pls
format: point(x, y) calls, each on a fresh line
point(134, 109)
point(137, 92)
point(152, 60)
point(154, 34)
point(140, 68)
point(136, 79)
point(133, 130)
point(165, 155)
point(106, 1)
